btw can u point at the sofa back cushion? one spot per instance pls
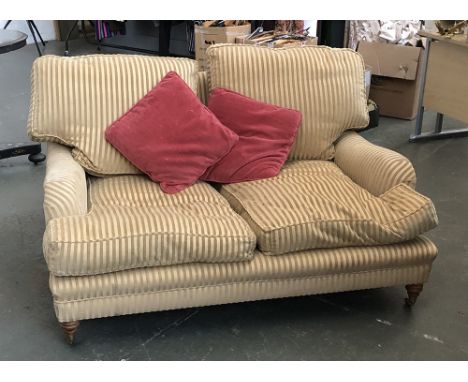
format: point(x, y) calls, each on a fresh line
point(74, 99)
point(325, 84)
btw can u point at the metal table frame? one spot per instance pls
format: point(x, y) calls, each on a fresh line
point(32, 27)
point(32, 149)
point(437, 133)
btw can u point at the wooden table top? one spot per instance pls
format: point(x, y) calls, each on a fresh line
point(458, 39)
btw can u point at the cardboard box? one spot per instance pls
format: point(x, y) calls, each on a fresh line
point(395, 77)
point(206, 36)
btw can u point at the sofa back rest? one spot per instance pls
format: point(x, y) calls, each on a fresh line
point(74, 99)
point(325, 84)
point(203, 87)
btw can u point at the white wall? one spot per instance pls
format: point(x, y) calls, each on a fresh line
point(313, 27)
point(46, 28)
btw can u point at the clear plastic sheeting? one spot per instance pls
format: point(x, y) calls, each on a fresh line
point(403, 32)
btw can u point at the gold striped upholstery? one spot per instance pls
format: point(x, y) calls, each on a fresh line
point(374, 168)
point(202, 87)
point(325, 84)
point(65, 191)
point(106, 244)
point(199, 284)
point(74, 99)
point(312, 204)
point(132, 224)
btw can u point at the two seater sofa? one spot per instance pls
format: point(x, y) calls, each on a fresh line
point(341, 215)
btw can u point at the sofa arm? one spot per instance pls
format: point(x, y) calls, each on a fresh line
point(375, 168)
point(65, 190)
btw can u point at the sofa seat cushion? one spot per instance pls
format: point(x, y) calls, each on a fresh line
point(313, 204)
point(132, 223)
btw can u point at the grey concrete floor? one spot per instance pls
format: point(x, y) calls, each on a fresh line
point(361, 325)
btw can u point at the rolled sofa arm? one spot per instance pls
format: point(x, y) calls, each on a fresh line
point(374, 168)
point(65, 190)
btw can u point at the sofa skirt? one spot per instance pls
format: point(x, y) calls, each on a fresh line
point(264, 277)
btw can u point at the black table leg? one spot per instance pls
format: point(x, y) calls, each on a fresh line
point(33, 150)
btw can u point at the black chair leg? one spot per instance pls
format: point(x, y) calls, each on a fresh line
point(37, 31)
point(6, 25)
point(35, 39)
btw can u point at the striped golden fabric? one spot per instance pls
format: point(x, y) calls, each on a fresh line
point(375, 168)
point(236, 292)
point(65, 191)
point(132, 224)
point(199, 284)
point(74, 99)
point(202, 87)
point(312, 204)
point(325, 84)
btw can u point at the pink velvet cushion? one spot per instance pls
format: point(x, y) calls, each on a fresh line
point(170, 135)
point(266, 135)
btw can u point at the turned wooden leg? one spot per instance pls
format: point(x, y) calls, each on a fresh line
point(413, 292)
point(70, 329)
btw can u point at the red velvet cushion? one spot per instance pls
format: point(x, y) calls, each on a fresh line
point(266, 135)
point(170, 135)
